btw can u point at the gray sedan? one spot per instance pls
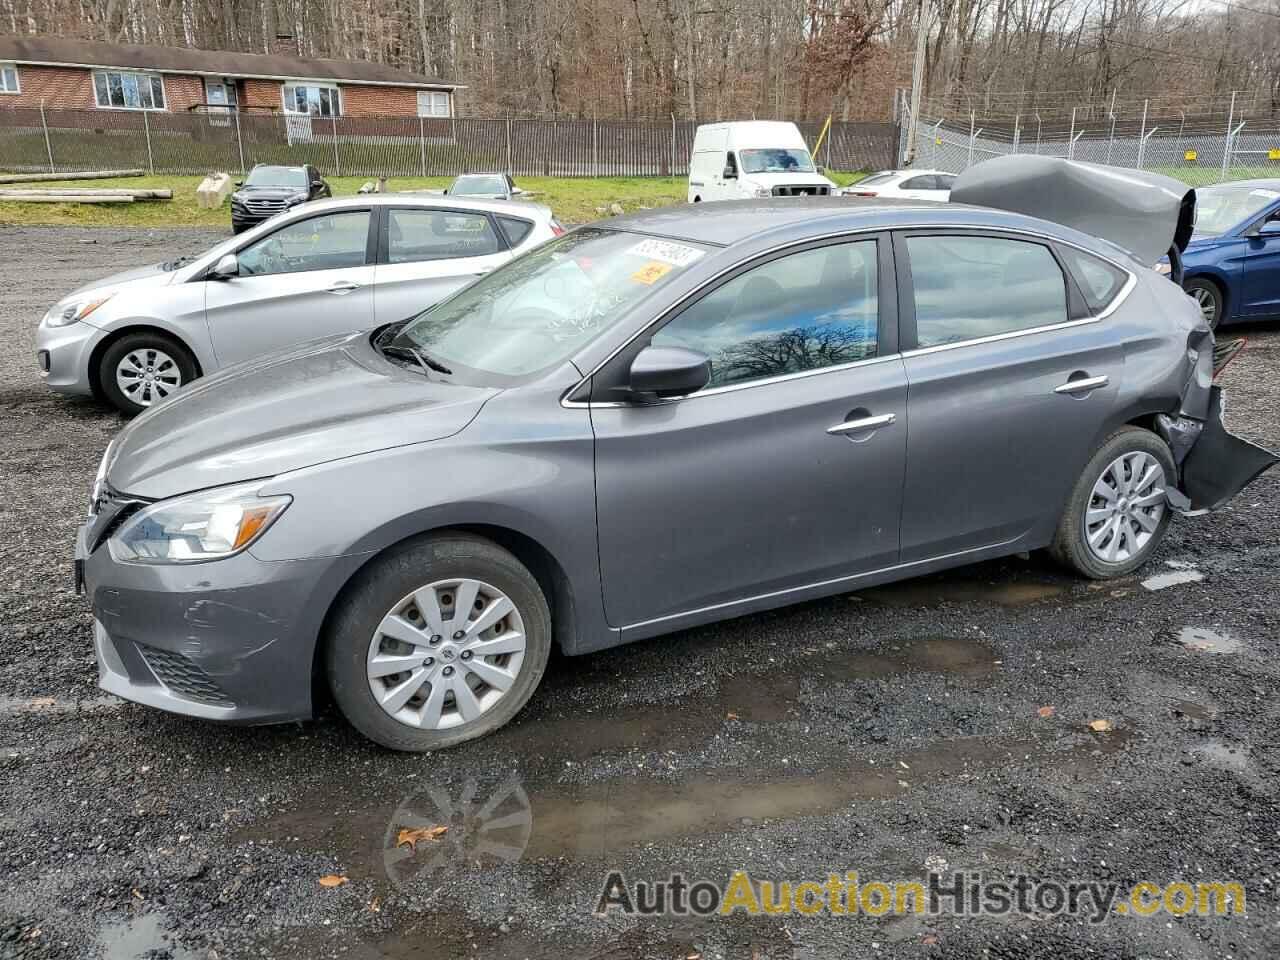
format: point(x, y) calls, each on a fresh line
point(648, 424)
point(330, 266)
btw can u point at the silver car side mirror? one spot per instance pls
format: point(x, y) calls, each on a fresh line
point(228, 266)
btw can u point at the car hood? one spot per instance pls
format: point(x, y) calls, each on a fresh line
point(270, 193)
point(324, 400)
point(153, 275)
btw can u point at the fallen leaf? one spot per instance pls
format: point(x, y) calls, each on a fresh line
point(332, 880)
point(1100, 726)
point(375, 906)
point(731, 715)
point(43, 702)
point(903, 765)
point(903, 783)
point(411, 838)
point(929, 939)
point(1045, 712)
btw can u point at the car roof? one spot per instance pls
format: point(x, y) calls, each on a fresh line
point(1261, 183)
point(723, 223)
point(517, 208)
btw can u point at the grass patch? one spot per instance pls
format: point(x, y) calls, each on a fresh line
point(574, 199)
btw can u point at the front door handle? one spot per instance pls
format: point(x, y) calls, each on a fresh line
point(1082, 385)
point(342, 287)
point(862, 424)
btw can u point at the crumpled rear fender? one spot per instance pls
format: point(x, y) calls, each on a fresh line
point(1219, 464)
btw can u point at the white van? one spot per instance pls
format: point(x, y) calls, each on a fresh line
point(752, 158)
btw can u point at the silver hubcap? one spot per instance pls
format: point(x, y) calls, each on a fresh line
point(1208, 306)
point(145, 376)
point(1125, 507)
point(445, 654)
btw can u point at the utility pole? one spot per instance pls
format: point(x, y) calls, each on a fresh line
point(917, 79)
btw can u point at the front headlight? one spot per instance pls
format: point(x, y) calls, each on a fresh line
point(71, 311)
point(201, 526)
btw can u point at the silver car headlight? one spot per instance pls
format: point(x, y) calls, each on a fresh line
point(196, 527)
point(71, 311)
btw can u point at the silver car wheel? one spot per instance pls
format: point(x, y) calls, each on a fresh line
point(147, 375)
point(1125, 507)
point(445, 654)
point(1208, 304)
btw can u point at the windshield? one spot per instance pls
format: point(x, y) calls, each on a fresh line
point(1220, 208)
point(277, 177)
point(540, 308)
point(775, 160)
point(464, 186)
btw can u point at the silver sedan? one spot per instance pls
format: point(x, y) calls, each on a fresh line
point(333, 266)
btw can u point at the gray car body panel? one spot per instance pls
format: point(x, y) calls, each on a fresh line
point(656, 517)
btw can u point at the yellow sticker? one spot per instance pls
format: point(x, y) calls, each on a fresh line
point(1273, 154)
point(651, 272)
point(1190, 155)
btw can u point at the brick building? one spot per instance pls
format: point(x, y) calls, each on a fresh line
point(88, 75)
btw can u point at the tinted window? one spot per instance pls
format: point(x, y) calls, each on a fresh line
point(1099, 280)
point(414, 235)
point(944, 181)
point(277, 177)
point(970, 287)
point(479, 186)
point(919, 183)
point(514, 229)
point(800, 312)
point(331, 242)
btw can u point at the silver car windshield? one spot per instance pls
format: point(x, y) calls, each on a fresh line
point(1220, 208)
point(542, 307)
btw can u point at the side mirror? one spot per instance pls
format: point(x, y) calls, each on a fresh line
point(317, 184)
point(1270, 227)
point(729, 173)
point(228, 266)
point(239, 183)
point(516, 191)
point(669, 371)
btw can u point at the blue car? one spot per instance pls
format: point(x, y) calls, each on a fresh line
point(1232, 264)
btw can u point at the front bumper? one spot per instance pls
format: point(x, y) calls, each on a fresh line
point(230, 640)
point(63, 356)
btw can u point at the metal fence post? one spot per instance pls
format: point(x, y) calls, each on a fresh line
point(509, 170)
point(1039, 125)
point(337, 166)
point(48, 146)
point(595, 147)
point(1142, 137)
point(146, 129)
point(422, 143)
point(673, 145)
point(1226, 149)
point(239, 140)
point(1142, 145)
point(1017, 131)
point(1111, 142)
point(1071, 146)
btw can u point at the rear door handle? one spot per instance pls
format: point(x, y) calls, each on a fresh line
point(862, 424)
point(342, 287)
point(1083, 385)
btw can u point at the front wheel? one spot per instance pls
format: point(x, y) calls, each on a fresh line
point(1117, 513)
point(141, 369)
point(438, 642)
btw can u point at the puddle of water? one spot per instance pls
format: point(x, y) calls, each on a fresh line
point(1223, 756)
point(1162, 581)
point(141, 938)
point(926, 591)
point(934, 655)
point(1196, 711)
point(1207, 641)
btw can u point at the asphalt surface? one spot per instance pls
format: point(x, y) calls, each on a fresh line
point(890, 732)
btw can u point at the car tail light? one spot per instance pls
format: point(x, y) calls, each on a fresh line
point(861, 193)
point(556, 229)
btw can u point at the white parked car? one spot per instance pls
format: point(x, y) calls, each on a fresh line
point(903, 185)
point(325, 267)
point(753, 158)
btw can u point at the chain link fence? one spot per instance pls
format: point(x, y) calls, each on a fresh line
point(1196, 150)
point(36, 140)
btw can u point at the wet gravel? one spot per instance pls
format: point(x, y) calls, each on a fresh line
point(888, 732)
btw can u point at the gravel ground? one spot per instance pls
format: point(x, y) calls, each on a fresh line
point(889, 732)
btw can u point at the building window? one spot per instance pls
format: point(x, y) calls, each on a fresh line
point(9, 78)
point(432, 103)
point(128, 91)
point(312, 99)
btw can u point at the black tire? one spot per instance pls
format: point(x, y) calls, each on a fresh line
point(1203, 287)
point(1069, 546)
point(143, 340)
point(398, 573)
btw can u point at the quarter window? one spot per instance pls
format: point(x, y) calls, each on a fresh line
point(972, 287)
point(128, 91)
point(312, 99)
point(1099, 280)
point(9, 78)
point(515, 229)
point(926, 182)
point(809, 310)
point(414, 235)
point(334, 241)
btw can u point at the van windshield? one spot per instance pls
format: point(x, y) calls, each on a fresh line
point(775, 160)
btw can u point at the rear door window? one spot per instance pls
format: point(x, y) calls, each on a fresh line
point(969, 287)
point(414, 235)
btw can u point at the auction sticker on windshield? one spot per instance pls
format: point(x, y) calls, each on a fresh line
point(667, 251)
point(651, 272)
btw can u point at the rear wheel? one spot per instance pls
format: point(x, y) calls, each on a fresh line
point(1208, 295)
point(1117, 513)
point(438, 642)
point(141, 369)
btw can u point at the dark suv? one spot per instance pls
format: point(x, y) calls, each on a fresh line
point(268, 190)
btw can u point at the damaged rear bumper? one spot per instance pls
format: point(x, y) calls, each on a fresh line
point(1213, 464)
